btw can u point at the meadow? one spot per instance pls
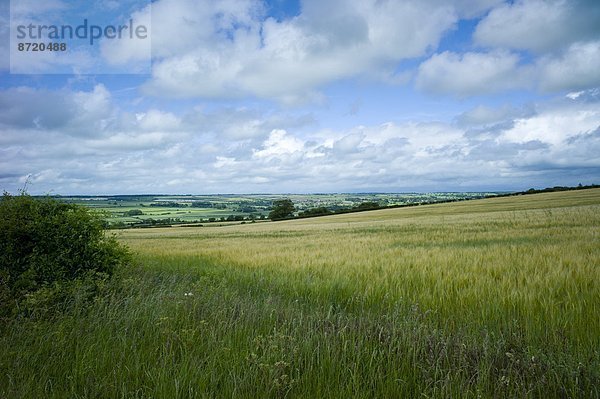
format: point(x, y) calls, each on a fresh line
point(494, 298)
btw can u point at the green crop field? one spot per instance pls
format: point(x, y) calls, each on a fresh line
point(493, 298)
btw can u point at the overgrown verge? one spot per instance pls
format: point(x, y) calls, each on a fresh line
point(52, 254)
point(195, 329)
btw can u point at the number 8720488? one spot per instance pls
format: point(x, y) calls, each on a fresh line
point(42, 46)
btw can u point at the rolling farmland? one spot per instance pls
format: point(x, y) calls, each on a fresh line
point(123, 211)
point(497, 297)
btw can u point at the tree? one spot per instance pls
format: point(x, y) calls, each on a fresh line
point(133, 212)
point(49, 247)
point(282, 209)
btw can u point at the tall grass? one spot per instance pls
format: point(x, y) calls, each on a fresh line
point(492, 298)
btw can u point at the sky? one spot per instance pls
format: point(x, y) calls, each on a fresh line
point(309, 96)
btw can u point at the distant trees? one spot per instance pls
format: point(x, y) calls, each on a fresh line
point(282, 209)
point(201, 204)
point(550, 190)
point(133, 212)
point(320, 211)
point(367, 205)
point(168, 204)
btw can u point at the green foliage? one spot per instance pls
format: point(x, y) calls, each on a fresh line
point(201, 204)
point(133, 212)
point(320, 211)
point(282, 209)
point(47, 245)
point(170, 204)
point(367, 205)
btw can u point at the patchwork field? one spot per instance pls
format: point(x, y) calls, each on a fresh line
point(123, 211)
point(497, 297)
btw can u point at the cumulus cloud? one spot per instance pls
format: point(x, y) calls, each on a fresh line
point(548, 46)
point(539, 25)
point(279, 145)
point(136, 55)
point(242, 123)
point(154, 120)
point(575, 69)
point(349, 143)
point(483, 115)
point(427, 153)
point(471, 73)
point(243, 53)
point(24, 107)
point(95, 141)
point(555, 125)
point(161, 152)
point(84, 113)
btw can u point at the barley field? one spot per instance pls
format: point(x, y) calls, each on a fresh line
point(488, 298)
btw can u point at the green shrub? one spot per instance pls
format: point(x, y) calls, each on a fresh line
point(48, 247)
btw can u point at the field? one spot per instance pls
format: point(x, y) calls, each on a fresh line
point(494, 298)
point(123, 211)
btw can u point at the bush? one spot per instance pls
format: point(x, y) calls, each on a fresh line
point(47, 248)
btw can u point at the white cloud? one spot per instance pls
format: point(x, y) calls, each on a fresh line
point(290, 59)
point(349, 143)
point(577, 68)
point(24, 107)
point(555, 125)
point(539, 25)
point(471, 73)
point(96, 141)
point(130, 141)
point(485, 115)
point(86, 113)
point(242, 123)
point(560, 35)
point(153, 155)
point(279, 144)
point(154, 120)
point(135, 53)
point(180, 27)
point(93, 110)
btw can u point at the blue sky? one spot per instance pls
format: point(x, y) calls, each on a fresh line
point(278, 96)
